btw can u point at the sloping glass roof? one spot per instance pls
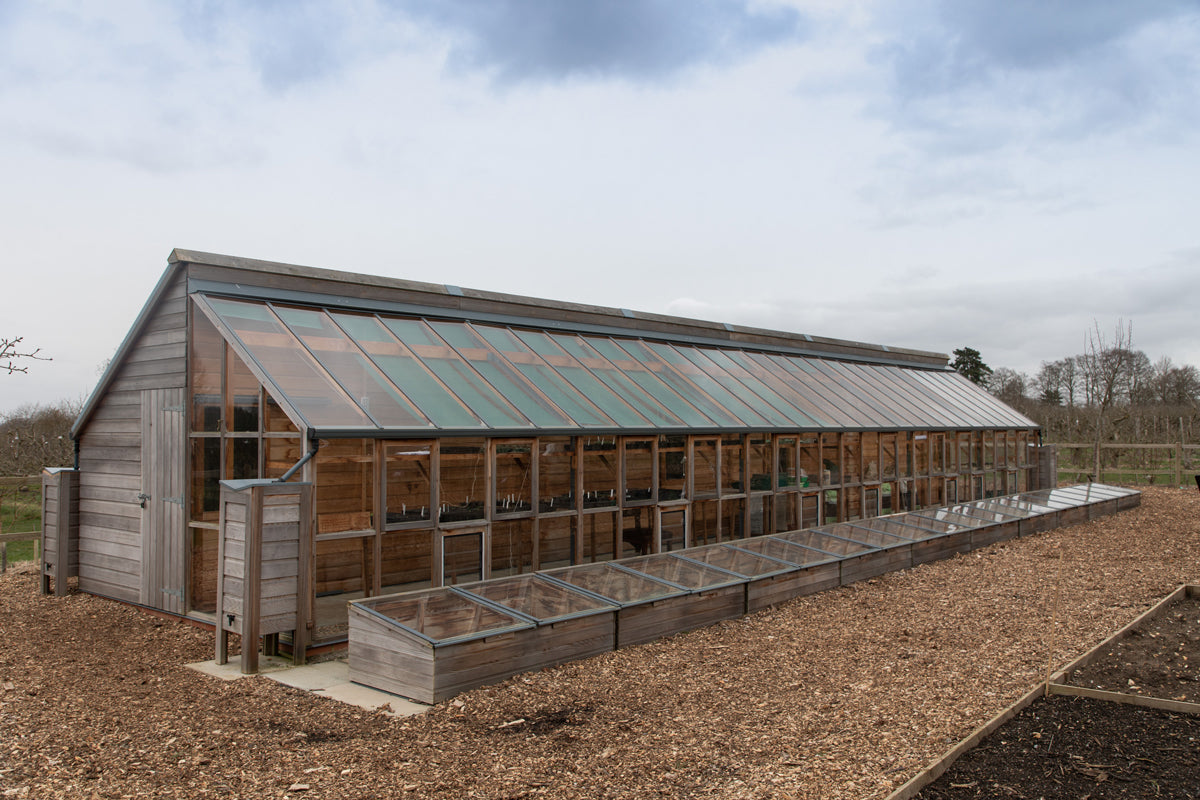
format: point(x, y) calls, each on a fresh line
point(363, 374)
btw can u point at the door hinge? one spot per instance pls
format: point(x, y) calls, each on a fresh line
point(176, 500)
point(174, 408)
point(174, 592)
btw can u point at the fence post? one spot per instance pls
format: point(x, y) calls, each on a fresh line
point(1179, 463)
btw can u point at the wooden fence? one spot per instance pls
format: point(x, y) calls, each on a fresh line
point(32, 482)
point(1140, 464)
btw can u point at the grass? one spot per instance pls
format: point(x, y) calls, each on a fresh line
point(20, 511)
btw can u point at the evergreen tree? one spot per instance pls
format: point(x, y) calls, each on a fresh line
point(969, 363)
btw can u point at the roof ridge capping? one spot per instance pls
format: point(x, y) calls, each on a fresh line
point(735, 334)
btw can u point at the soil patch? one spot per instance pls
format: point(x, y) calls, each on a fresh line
point(1159, 659)
point(1076, 747)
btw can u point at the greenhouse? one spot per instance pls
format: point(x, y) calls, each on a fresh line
point(448, 436)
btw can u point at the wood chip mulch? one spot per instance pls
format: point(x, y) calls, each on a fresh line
point(845, 694)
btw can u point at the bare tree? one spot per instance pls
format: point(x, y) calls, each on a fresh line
point(11, 350)
point(1104, 365)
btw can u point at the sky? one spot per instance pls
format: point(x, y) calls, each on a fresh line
point(1005, 175)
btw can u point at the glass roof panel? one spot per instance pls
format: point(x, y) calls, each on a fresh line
point(680, 571)
point(886, 390)
point(609, 581)
point(740, 562)
point(480, 396)
point(788, 390)
point(767, 401)
point(636, 371)
point(501, 376)
point(816, 539)
point(441, 614)
point(808, 387)
point(601, 382)
point(822, 384)
point(690, 373)
point(342, 359)
point(542, 375)
point(774, 547)
point(298, 378)
point(405, 370)
point(879, 416)
point(536, 597)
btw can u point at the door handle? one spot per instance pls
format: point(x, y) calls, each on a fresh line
point(142, 498)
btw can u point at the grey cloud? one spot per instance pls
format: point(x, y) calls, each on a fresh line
point(523, 40)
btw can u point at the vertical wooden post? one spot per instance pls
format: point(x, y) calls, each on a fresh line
point(1179, 460)
point(252, 579)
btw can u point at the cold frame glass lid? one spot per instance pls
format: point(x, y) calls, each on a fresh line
point(442, 614)
point(783, 550)
point(613, 583)
point(819, 540)
point(536, 597)
point(740, 562)
point(680, 571)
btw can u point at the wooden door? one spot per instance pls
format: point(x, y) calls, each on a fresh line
point(164, 554)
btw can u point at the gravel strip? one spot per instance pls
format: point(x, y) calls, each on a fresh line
point(846, 694)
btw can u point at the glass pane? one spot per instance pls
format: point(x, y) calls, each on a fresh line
point(556, 474)
point(597, 537)
point(831, 460)
point(904, 454)
point(702, 387)
point(739, 562)
point(441, 614)
point(342, 566)
point(406, 561)
point(731, 395)
point(810, 460)
point(462, 558)
point(536, 597)
point(452, 369)
point(512, 547)
point(274, 420)
point(854, 500)
point(556, 542)
point(342, 359)
point(307, 387)
point(786, 463)
point(870, 456)
point(241, 455)
point(409, 482)
point(514, 477)
point(704, 467)
point(618, 585)
point(281, 455)
point(672, 467)
point(601, 471)
point(760, 514)
point(241, 414)
point(832, 509)
point(206, 479)
point(206, 351)
point(762, 455)
point(818, 540)
point(673, 530)
point(787, 512)
point(733, 465)
point(637, 532)
point(705, 522)
point(615, 388)
point(964, 452)
point(639, 470)
point(462, 485)
point(887, 446)
point(501, 376)
point(921, 453)
point(575, 402)
point(202, 570)
point(407, 372)
point(683, 400)
point(681, 572)
point(345, 485)
point(733, 519)
point(810, 510)
point(937, 451)
point(781, 550)
point(805, 409)
point(851, 458)
point(760, 394)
